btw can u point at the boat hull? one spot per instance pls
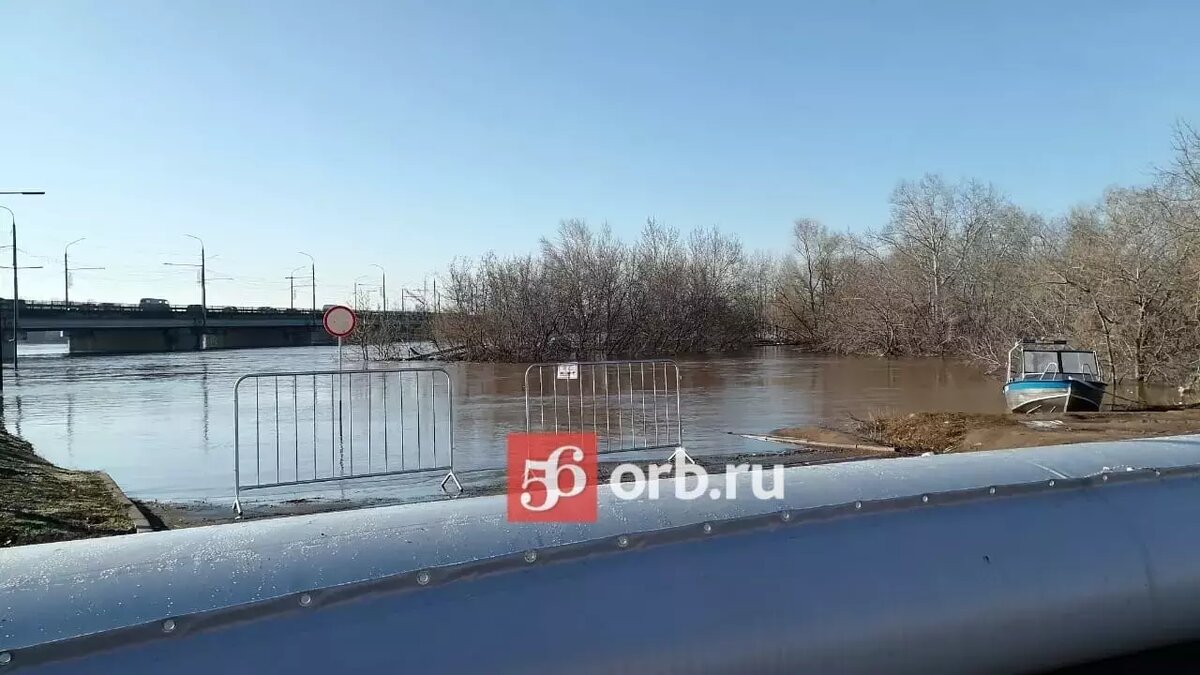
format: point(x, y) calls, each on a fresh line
point(1030, 396)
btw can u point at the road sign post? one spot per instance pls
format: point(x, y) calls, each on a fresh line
point(339, 321)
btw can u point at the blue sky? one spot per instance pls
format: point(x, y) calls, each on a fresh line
point(407, 133)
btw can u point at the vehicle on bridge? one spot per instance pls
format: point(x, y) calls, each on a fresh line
point(154, 304)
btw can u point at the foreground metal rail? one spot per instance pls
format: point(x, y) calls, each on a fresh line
point(629, 405)
point(1107, 554)
point(320, 426)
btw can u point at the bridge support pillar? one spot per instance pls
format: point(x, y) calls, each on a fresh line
point(133, 341)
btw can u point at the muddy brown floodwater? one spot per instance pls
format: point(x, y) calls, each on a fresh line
point(162, 424)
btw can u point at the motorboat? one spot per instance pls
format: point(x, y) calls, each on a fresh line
point(1050, 376)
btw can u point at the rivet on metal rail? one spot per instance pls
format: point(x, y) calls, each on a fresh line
point(708, 528)
point(991, 491)
point(622, 541)
point(5, 658)
point(168, 626)
point(924, 499)
point(530, 556)
point(786, 516)
point(305, 599)
point(423, 578)
point(1051, 483)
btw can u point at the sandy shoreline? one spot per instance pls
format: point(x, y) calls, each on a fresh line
point(919, 433)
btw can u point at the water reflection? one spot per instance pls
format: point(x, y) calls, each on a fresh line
point(162, 424)
point(71, 425)
point(204, 403)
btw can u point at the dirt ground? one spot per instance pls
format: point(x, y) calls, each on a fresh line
point(919, 433)
point(40, 502)
point(874, 437)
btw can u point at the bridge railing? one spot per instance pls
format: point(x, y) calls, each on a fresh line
point(303, 428)
point(629, 405)
point(59, 306)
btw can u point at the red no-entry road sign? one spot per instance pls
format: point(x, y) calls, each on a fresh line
point(339, 321)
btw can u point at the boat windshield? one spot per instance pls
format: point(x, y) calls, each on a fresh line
point(1079, 362)
point(1037, 363)
point(1047, 362)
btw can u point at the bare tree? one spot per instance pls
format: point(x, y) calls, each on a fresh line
point(813, 278)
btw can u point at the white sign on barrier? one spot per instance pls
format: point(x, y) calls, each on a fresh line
point(568, 371)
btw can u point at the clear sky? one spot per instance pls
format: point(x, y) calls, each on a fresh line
point(407, 133)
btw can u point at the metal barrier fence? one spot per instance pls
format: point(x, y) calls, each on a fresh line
point(630, 405)
point(329, 425)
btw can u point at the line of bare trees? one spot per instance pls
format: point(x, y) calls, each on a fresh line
point(587, 294)
point(958, 270)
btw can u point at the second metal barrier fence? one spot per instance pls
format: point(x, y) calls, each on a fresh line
point(629, 405)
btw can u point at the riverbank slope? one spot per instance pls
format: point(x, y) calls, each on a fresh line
point(40, 502)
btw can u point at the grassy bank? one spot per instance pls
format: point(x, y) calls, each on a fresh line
point(919, 433)
point(40, 502)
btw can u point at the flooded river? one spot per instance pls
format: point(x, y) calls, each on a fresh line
point(162, 424)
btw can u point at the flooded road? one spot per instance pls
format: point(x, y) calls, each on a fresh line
point(162, 424)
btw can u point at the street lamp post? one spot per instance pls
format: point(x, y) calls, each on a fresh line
point(314, 279)
point(16, 295)
point(67, 271)
point(203, 287)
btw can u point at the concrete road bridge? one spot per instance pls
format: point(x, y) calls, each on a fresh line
point(111, 328)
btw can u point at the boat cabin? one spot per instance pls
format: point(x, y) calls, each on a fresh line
point(1051, 360)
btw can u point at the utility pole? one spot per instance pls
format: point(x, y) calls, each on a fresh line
point(292, 287)
point(67, 269)
point(382, 285)
point(67, 273)
point(419, 302)
point(356, 285)
point(203, 289)
point(314, 279)
point(16, 295)
point(16, 305)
